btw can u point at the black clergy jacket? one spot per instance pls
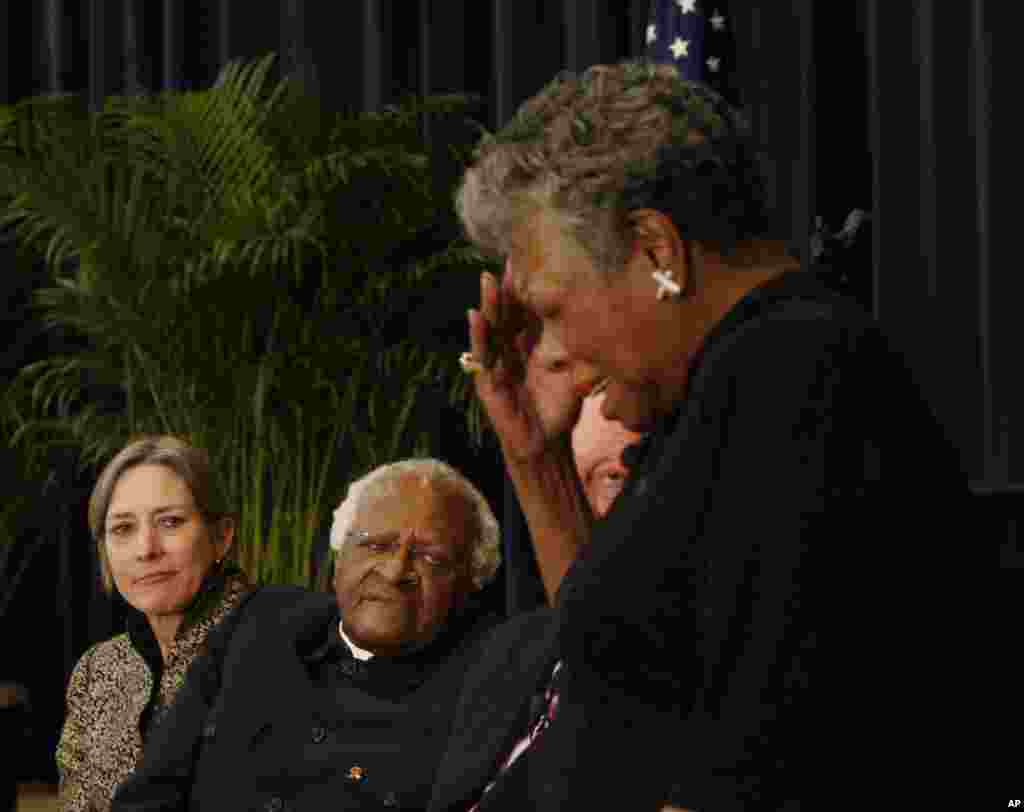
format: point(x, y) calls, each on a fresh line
point(285, 718)
point(762, 619)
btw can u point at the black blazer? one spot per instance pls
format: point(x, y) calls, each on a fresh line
point(266, 735)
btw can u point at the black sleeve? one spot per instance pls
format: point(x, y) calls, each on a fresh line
point(706, 601)
point(163, 780)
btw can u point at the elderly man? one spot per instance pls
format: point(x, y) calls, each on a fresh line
point(344, 703)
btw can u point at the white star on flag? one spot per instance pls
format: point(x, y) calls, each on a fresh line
point(714, 63)
point(687, 6)
point(680, 47)
point(652, 34)
point(718, 21)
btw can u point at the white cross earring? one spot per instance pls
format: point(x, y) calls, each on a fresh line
point(666, 287)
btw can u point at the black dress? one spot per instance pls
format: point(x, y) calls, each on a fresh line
point(756, 619)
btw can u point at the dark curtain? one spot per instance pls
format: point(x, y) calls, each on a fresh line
point(937, 88)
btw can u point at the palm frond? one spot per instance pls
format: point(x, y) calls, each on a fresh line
point(222, 260)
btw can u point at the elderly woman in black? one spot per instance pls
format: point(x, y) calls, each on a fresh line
point(164, 534)
point(746, 615)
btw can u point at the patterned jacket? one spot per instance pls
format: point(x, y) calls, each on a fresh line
point(113, 698)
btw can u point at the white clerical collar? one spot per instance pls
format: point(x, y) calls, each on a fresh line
point(358, 653)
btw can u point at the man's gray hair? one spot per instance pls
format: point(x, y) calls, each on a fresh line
point(383, 480)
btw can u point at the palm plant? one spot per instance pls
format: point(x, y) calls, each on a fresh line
point(222, 257)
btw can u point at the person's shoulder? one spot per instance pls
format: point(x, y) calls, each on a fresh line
point(268, 628)
point(286, 595)
point(522, 632)
point(101, 660)
point(512, 652)
point(285, 610)
point(113, 651)
point(284, 598)
point(795, 298)
point(481, 615)
point(807, 326)
point(118, 645)
point(466, 631)
point(811, 305)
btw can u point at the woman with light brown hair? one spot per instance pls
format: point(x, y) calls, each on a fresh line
point(164, 536)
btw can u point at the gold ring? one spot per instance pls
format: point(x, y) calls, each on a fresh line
point(469, 364)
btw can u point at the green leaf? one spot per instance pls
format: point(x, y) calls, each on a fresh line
point(222, 252)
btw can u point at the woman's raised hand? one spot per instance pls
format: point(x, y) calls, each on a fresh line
point(528, 392)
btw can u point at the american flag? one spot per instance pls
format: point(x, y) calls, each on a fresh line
point(696, 37)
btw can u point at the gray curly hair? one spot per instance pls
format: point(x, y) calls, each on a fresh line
point(589, 149)
point(383, 480)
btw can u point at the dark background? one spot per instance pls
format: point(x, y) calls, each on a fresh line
point(890, 107)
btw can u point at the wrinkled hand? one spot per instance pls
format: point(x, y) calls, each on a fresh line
point(528, 393)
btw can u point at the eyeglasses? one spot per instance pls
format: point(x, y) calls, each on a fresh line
point(386, 545)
